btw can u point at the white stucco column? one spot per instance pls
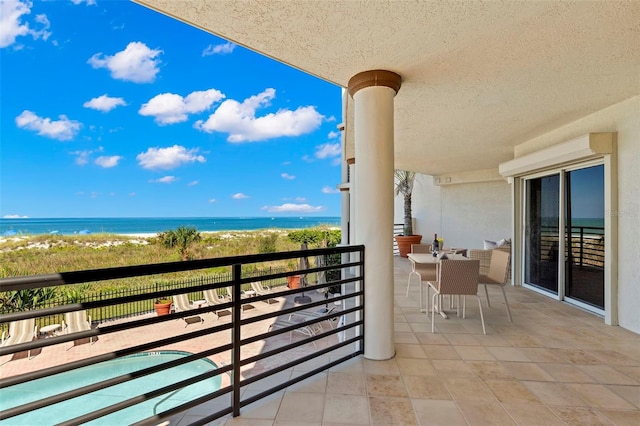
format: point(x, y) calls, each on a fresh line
point(373, 93)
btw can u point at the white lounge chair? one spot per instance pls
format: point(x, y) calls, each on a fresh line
point(307, 315)
point(213, 298)
point(262, 291)
point(20, 332)
point(75, 322)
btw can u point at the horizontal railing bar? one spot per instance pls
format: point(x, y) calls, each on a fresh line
point(21, 409)
point(293, 363)
point(140, 398)
point(153, 420)
point(292, 345)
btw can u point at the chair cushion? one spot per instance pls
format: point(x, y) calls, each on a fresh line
point(489, 245)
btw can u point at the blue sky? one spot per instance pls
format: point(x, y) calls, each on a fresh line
point(110, 109)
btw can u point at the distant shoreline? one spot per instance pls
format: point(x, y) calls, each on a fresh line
point(152, 226)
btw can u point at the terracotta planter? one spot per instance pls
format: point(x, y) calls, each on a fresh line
point(293, 281)
point(162, 308)
point(404, 243)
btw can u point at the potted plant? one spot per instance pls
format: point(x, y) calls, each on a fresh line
point(404, 185)
point(162, 306)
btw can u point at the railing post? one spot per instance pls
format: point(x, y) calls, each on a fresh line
point(581, 244)
point(237, 273)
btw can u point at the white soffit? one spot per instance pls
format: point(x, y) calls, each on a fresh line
point(591, 145)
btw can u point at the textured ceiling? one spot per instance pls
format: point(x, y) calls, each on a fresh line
point(478, 77)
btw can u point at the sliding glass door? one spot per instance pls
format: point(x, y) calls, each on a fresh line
point(584, 239)
point(542, 232)
point(564, 214)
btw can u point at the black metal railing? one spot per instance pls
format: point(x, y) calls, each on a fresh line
point(585, 247)
point(245, 365)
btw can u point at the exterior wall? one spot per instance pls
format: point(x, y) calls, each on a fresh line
point(463, 214)
point(623, 118)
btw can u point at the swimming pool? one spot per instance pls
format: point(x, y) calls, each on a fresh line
point(48, 386)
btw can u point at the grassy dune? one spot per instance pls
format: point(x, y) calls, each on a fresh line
point(45, 254)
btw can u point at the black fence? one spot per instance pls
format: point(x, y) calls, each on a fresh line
point(585, 247)
point(340, 342)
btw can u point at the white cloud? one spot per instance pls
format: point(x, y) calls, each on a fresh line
point(63, 129)
point(240, 122)
point(14, 216)
point(239, 196)
point(104, 103)
point(212, 200)
point(164, 179)
point(82, 157)
point(307, 159)
point(300, 199)
point(168, 158)
point(108, 161)
point(12, 26)
point(328, 150)
point(333, 135)
point(169, 108)
point(135, 63)
point(89, 2)
point(329, 190)
point(193, 183)
point(287, 176)
point(297, 208)
point(218, 49)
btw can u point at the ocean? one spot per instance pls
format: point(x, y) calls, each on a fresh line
point(153, 225)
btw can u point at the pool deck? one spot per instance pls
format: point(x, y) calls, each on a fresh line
point(554, 365)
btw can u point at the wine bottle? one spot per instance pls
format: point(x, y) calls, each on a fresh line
point(435, 247)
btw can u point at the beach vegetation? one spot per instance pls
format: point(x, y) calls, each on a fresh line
point(180, 238)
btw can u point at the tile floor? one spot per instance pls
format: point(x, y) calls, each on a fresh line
point(554, 365)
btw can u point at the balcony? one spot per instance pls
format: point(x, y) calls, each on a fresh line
point(555, 364)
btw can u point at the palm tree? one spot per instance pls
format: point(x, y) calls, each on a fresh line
point(182, 238)
point(404, 185)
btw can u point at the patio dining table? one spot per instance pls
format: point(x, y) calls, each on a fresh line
point(426, 258)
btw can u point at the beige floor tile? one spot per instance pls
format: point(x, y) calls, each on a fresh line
point(598, 396)
point(440, 352)
point(463, 340)
point(402, 326)
point(582, 416)
point(528, 371)
point(266, 408)
point(438, 413)
point(622, 417)
point(354, 365)
point(346, 409)
point(633, 372)
point(346, 383)
point(484, 413)
point(452, 368)
point(415, 367)
point(508, 354)
point(432, 339)
point(391, 411)
point(382, 385)
point(492, 340)
point(243, 421)
point(405, 337)
point(301, 407)
point(523, 341)
point(630, 393)
point(556, 394)
point(490, 370)
point(606, 375)
point(314, 384)
point(532, 414)
point(512, 392)
point(540, 355)
point(409, 351)
point(576, 356)
point(566, 373)
point(615, 358)
point(426, 387)
point(468, 389)
point(469, 353)
point(381, 367)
